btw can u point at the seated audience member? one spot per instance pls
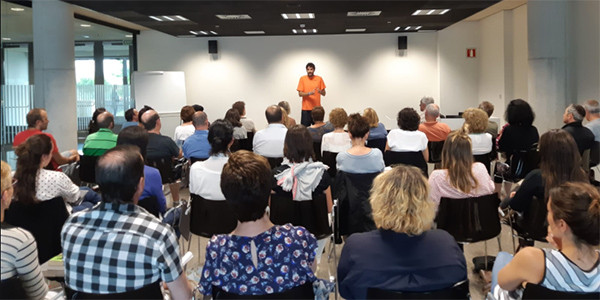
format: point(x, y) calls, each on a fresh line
point(93, 125)
point(186, 129)
point(459, 177)
point(197, 146)
point(131, 118)
point(205, 176)
point(269, 141)
point(198, 107)
point(573, 229)
point(233, 117)
point(573, 119)
point(377, 129)
point(434, 131)
point(160, 146)
point(103, 139)
point(592, 115)
point(492, 127)
point(137, 136)
point(475, 124)
point(37, 122)
point(360, 158)
point(240, 106)
point(19, 250)
point(35, 183)
point(117, 239)
point(319, 128)
point(286, 106)
point(518, 134)
point(404, 253)
point(142, 112)
point(253, 259)
point(423, 105)
point(407, 138)
point(338, 140)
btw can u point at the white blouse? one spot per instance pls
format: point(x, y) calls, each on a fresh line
point(52, 184)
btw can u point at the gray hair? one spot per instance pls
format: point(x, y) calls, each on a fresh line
point(199, 118)
point(432, 110)
point(592, 106)
point(427, 100)
point(577, 111)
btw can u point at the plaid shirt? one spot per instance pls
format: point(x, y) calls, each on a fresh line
point(116, 248)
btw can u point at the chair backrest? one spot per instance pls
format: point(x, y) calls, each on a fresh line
point(352, 192)
point(470, 220)
point(274, 162)
point(485, 159)
point(458, 291)
point(536, 291)
point(377, 143)
point(310, 214)
point(435, 151)
point(329, 158)
point(522, 162)
point(595, 154)
point(44, 220)
point(12, 288)
point(533, 224)
point(87, 168)
point(317, 149)
point(210, 217)
point(412, 158)
point(151, 291)
point(165, 168)
point(304, 291)
point(150, 204)
point(247, 143)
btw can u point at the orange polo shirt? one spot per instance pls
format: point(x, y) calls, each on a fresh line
point(435, 131)
point(307, 85)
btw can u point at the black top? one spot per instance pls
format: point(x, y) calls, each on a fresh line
point(160, 146)
point(517, 138)
point(533, 185)
point(582, 135)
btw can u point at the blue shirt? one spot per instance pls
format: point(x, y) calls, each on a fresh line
point(378, 132)
point(197, 145)
point(153, 187)
point(129, 124)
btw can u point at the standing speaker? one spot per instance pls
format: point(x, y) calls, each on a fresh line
point(402, 42)
point(212, 47)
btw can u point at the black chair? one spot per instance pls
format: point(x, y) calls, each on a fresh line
point(536, 291)
point(435, 151)
point(531, 225)
point(87, 168)
point(352, 192)
point(329, 159)
point(377, 143)
point(12, 288)
point(485, 159)
point(317, 149)
point(413, 158)
point(522, 162)
point(210, 217)
point(304, 291)
point(44, 220)
point(310, 214)
point(246, 144)
point(151, 205)
point(458, 291)
point(274, 162)
point(151, 291)
point(165, 168)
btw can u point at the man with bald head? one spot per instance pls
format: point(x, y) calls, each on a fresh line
point(98, 142)
point(434, 130)
point(573, 118)
point(269, 141)
point(196, 146)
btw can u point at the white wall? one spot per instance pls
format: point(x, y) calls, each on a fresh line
point(585, 51)
point(359, 70)
point(519, 53)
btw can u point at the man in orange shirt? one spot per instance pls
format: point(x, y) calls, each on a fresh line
point(434, 130)
point(310, 88)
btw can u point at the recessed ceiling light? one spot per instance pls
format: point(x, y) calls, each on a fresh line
point(181, 18)
point(356, 29)
point(213, 32)
point(254, 32)
point(296, 16)
point(397, 28)
point(430, 12)
point(294, 31)
point(168, 18)
point(234, 17)
point(174, 18)
point(5, 39)
point(128, 35)
point(373, 13)
point(85, 25)
point(193, 32)
point(304, 30)
point(86, 36)
point(418, 27)
point(285, 16)
point(444, 11)
point(156, 18)
point(17, 9)
point(314, 31)
point(407, 28)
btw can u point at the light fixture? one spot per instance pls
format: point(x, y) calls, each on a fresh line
point(85, 25)
point(181, 18)
point(5, 39)
point(444, 11)
point(397, 28)
point(356, 29)
point(213, 32)
point(193, 32)
point(174, 18)
point(304, 30)
point(297, 16)
point(294, 31)
point(314, 31)
point(168, 18)
point(285, 16)
point(254, 32)
point(430, 12)
point(373, 13)
point(86, 36)
point(203, 32)
point(234, 17)
point(407, 28)
point(156, 18)
point(17, 9)
point(128, 35)
point(417, 12)
point(418, 27)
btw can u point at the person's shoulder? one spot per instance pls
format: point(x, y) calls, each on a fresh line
point(18, 234)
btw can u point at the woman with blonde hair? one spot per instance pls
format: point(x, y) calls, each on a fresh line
point(476, 122)
point(288, 120)
point(376, 129)
point(460, 176)
point(404, 253)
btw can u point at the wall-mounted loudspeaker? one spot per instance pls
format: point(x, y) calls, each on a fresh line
point(402, 43)
point(212, 47)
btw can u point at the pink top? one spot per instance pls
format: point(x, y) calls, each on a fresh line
point(440, 185)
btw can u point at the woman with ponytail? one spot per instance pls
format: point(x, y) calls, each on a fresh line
point(93, 125)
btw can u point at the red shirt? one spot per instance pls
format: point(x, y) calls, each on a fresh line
point(25, 134)
point(306, 85)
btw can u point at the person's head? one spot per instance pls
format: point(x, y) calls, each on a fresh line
point(131, 115)
point(198, 107)
point(338, 118)
point(105, 120)
point(317, 114)
point(408, 119)
point(573, 113)
point(457, 158)
point(559, 159)
point(476, 120)
point(136, 136)
point(400, 201)
point(285, 120)
point(32, 155)
point(285, 105)
point(143, 111)
point(246, 185)
point(240, 106)
point(274, 114)
point(519, 113)
point(310, 69)
point(93, 125)
point(574, 212)
point(298, 144)
point(220, 136)
point(200, 120)
point(432, 112)
point(120, 174)
point(151, 120)
point(488, 107)
point(186, 114)
point(592, 110)
point(7, 186)
point(37, 118)
point(358, 126)
point(425, 101)
point(233, 116)
point(371, 116)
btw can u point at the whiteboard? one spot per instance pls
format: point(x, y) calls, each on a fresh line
point(164, 91)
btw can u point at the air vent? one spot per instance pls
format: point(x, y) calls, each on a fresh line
point(373, 13)
point(234, 17)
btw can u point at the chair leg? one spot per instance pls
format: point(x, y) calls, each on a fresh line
point(485, 254)
point(499, 243)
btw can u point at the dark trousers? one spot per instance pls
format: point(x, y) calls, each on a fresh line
point(306, 118)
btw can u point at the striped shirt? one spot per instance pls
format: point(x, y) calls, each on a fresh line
point(563, 275)
point(20, 258)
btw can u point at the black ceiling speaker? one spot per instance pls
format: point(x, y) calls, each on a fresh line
point(402, 42)
point(212, 47)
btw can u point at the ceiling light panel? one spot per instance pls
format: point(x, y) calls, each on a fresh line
point(430, 12)
point(297, 16)
point(175, 18)
point(254, 32)
point(234, 17)
point(305, 31)
point(17, 9)
point(373, 13)
point(356, 29)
